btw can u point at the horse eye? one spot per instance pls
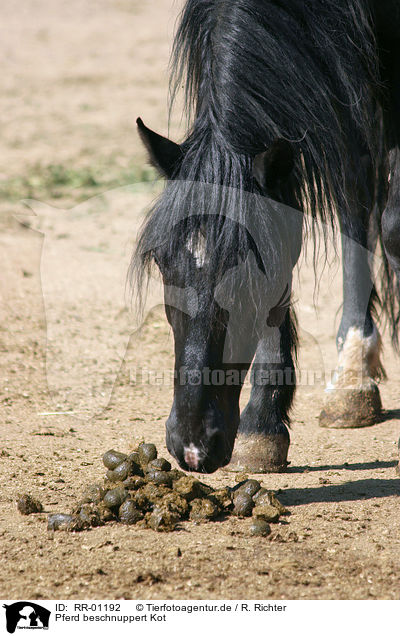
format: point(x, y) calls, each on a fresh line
point(158, 259)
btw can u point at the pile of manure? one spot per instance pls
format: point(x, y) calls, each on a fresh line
point(142, 489)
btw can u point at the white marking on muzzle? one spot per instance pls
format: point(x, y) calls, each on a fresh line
point(191, 456)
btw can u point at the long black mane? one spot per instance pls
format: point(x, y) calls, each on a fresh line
point(254, 71)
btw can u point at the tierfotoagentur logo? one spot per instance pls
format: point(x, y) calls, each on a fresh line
point(26, 615)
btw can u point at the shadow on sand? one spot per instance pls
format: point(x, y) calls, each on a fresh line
point(377, 464)
point(349, 491)
point(390, 414)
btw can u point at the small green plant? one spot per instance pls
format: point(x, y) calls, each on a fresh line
point(59, 181)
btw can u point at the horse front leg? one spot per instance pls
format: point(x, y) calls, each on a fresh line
point(353, 398)
point(263, 440)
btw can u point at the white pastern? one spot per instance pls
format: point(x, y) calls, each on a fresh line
point(359, 360)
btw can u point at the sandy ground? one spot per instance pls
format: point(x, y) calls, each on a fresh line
point(73, 82)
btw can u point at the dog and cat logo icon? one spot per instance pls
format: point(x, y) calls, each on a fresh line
point(26, 615)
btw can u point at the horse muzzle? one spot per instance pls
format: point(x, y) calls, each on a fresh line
point(203, 447)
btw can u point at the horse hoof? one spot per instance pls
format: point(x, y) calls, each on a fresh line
point(260, 454)
point(352, 407)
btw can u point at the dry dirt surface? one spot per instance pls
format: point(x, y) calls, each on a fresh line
point(74, 78)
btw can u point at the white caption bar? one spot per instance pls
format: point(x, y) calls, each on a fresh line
point(194, 617)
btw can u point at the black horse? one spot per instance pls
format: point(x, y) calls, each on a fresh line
point(296, 103)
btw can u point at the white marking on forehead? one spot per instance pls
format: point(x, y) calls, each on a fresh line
point(196, 244)
point(191, 456)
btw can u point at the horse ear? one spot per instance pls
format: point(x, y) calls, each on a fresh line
point(165, 155)
point(275, 164)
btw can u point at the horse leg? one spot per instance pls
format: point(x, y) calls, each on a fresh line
point(390, 222)
point(353, 398)
point(390, 225)
point(391, 217)
point(263, 439)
